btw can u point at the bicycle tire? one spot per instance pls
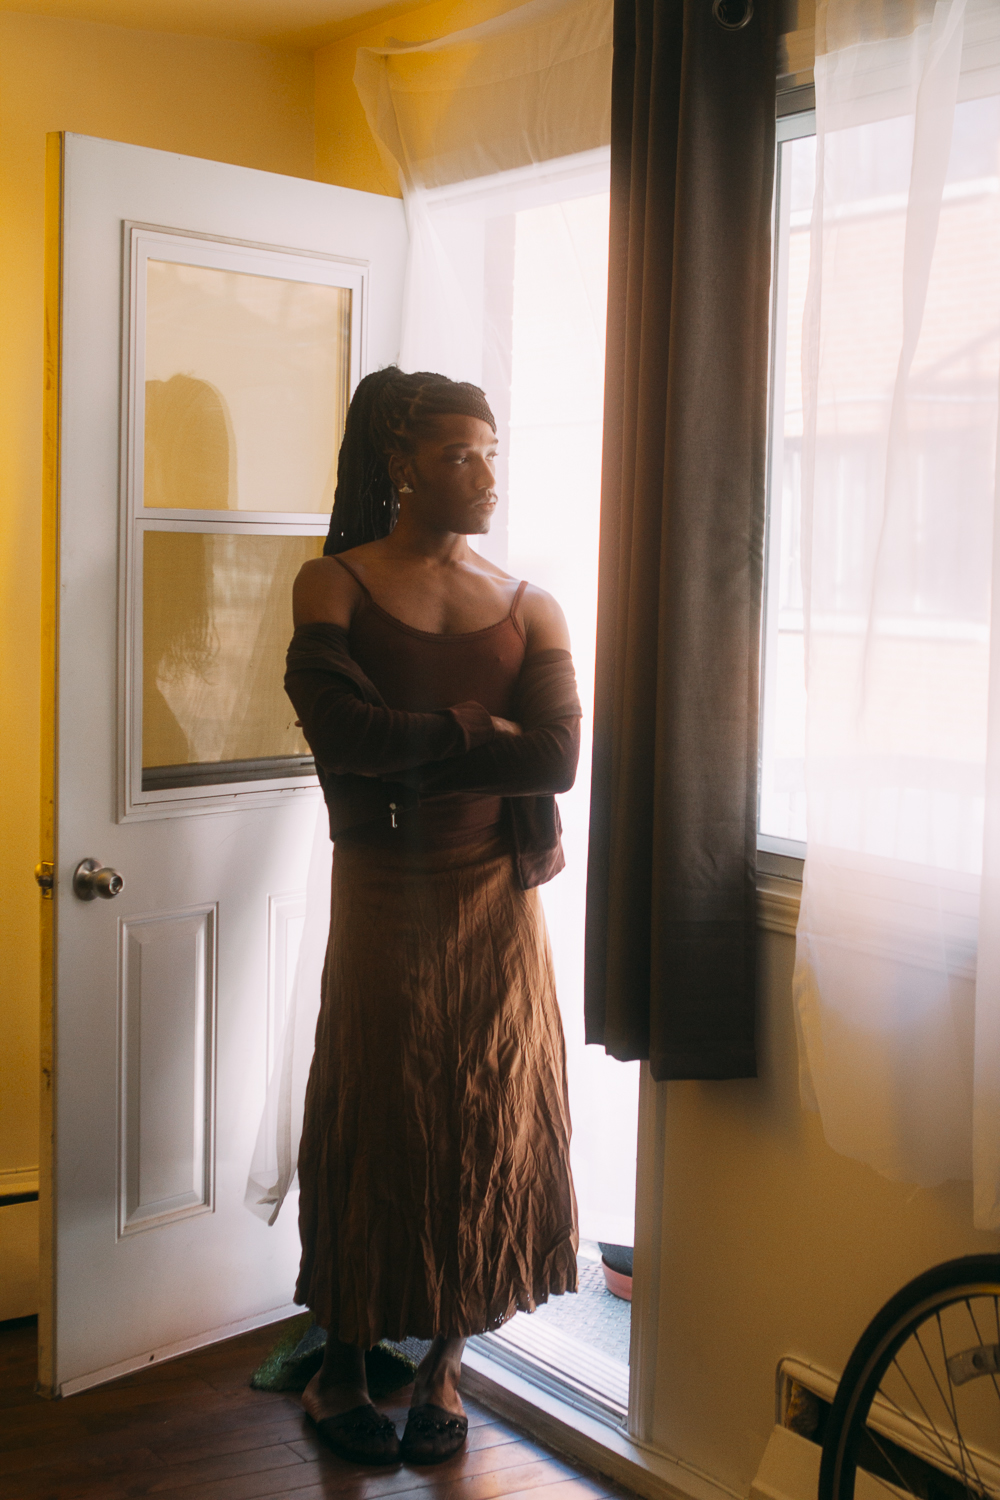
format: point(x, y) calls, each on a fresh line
point(923, 1299)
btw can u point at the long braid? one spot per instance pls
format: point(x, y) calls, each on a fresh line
point(365, 504)
point(388, 412)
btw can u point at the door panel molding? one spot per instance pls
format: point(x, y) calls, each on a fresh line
point(168, 1005)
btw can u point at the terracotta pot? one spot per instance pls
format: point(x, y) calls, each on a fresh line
point(620, 1285)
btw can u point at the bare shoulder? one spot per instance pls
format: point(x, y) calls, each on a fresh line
point(544, 622)
point(324, 594)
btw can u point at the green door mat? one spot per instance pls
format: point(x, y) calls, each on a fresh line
point(298, 1354)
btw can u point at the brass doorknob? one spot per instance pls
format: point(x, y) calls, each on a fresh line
point(91, 879)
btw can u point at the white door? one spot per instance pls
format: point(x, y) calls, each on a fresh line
point(207, 325)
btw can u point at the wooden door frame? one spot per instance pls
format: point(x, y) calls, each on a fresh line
point(48, 853)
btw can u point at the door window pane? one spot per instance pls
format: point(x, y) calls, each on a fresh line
point(216, 621)
point(247, 380)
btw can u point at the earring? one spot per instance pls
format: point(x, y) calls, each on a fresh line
point(406, 489)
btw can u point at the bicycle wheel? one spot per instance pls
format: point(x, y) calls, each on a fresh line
point(918, 1407)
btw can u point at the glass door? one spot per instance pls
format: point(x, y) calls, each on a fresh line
point(527, 259)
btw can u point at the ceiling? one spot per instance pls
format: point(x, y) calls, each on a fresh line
point(286, 23)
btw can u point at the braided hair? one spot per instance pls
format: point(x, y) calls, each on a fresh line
point(388, 412)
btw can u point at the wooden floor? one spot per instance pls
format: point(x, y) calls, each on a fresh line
point(194, 1428)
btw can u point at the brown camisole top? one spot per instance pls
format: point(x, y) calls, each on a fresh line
point(419, 671)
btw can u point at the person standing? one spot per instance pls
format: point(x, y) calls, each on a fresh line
point(438, 698)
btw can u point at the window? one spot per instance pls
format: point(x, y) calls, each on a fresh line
point(895, 585)
point(781, 793)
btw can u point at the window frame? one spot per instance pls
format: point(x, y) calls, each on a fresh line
point(777, 856)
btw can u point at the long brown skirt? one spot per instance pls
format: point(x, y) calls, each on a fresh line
point(436, 1194)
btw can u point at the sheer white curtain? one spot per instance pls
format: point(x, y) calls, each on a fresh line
point(276, 1152)
point(531, 86)
point(499, 135)
point(529, 250)
point(897, 980)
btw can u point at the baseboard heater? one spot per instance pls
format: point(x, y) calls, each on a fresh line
point(804, 1396)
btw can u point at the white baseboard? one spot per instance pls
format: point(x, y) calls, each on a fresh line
point(607, 1449)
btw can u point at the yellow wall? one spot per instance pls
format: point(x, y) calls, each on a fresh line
point(773, 1245)
point(346, 153)
point(232, 101)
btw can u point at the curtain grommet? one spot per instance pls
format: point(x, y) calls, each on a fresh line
point(732, 15)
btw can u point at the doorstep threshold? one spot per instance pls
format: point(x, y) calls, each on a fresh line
point(557, 1419)
point(585, 1377)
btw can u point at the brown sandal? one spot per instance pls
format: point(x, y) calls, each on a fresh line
point(432, 1434)
point(361, 1435)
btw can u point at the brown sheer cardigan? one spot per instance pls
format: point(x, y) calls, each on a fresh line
point(372, 759)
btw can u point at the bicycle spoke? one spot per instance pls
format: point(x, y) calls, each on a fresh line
point(889, 1460)
point(952, 1408)
point(931, 1430)
point(931, 1369)
point(981, 1341)
point(959, 1468)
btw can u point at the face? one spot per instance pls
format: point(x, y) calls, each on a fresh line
point(452, 476)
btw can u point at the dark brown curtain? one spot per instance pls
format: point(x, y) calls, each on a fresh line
point(671, 898)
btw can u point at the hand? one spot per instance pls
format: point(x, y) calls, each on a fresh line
point(506, 726)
